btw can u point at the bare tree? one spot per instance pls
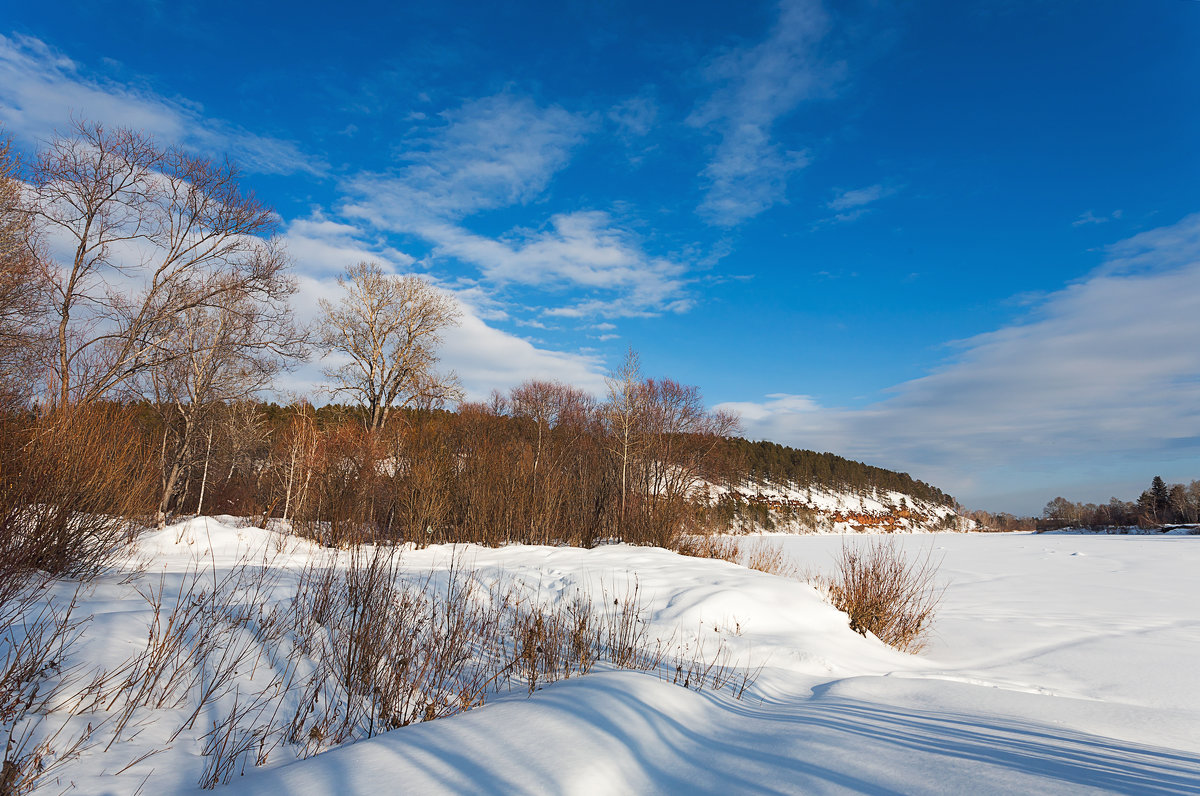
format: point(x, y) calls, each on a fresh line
point(222, 352)
point(560, 415)
point(149, 234)
point(624, 415)
point(681, 438)
point(387, 328)
point(20, 298)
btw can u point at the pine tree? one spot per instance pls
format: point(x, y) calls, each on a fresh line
point(1161, 496)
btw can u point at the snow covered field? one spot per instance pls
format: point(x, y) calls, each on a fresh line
point(1059, 664)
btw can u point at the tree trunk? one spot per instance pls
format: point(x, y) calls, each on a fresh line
point(204, 478)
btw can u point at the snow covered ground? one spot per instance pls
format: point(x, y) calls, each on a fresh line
point(1059, 665)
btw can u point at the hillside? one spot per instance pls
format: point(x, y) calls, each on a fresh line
point(765, 506)
point(783, 489)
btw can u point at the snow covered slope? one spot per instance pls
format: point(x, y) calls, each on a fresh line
point(1059, 665)
point(789, 508)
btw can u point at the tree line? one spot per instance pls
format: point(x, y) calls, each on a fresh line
point(1160, 504)
point(145, 306)
point(770, 462)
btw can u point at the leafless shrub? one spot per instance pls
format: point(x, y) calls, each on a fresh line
point(387, 653)
point(772, 560)
point(73, 483)
point(22, 335)
point(35, 634)
point(886, 593)
point(32, 757)
point(725, 548)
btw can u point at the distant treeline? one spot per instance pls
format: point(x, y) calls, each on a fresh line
point(1160, 504)
point(768, 461)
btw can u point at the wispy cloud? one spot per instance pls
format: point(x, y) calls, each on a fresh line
point(585, 250)
point(755, 86)
point(503, 151)
point(852, 204)
point(635, 116)
point(41, 89)
point(492, 152)
point(856, 198)
point(1104, 368)
point(1089, 217)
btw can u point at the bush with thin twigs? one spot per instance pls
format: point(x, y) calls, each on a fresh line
point(72, 486)
point(772, 560)
point(725, 548)
point(36, 632)
point(886, 593)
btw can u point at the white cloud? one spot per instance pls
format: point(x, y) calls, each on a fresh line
point(486, 358)
point(41, 90)
point(580, 250)
point(502, 151)
point(635, 116)
point(756, 86)
point(1090, 217)
point(1107, 368)
point(492, 152)
point(324, 246)
point(858, 197)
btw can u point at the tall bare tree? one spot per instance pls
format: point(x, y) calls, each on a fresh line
point(681, 438)
point(142, 235)
point(222, 352)
point(387, 330)
point(624, 415)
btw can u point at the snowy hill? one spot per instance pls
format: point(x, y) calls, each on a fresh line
point(765, 506)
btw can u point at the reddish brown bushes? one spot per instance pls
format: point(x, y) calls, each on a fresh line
point(74, 484)
point(886, 593)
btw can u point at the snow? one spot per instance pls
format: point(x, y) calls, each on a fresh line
point(1059, 664)
point(824, 509)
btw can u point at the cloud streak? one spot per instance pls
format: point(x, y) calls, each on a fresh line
point(41, 89)
point(503, 151)
point(1104, 368)
point(754, 87)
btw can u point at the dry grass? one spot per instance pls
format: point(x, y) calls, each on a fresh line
point(772, 560)
point(719, 546)
point(886, 593)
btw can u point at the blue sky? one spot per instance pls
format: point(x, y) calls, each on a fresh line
point(958, 239)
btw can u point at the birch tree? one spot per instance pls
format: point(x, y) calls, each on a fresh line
point(141, 234)
point(624, 415)
point(385, 331)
